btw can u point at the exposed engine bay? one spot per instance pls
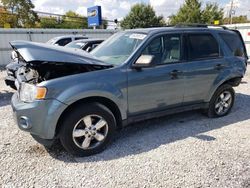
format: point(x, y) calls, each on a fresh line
point(35, 73)
point(36, 62)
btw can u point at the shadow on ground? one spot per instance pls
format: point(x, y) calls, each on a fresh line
point(149, 135)
point(5, 97)
point(2, 68)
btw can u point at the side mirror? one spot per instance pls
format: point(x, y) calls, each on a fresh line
point(144, 61)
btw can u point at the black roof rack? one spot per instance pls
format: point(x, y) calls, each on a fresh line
point(181, 25)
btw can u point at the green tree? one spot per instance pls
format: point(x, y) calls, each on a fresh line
point(211, 13)
point(48, 22)
point(142, 16)
point(72, 20)
point(25, 16)
point(237, 19)
point(192, 12)
point(7, 18)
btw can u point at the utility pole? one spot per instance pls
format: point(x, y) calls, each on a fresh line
point(231, 12)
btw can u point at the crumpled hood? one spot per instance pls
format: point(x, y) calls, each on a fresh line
point(33, 52)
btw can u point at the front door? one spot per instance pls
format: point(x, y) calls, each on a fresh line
point(161, 86)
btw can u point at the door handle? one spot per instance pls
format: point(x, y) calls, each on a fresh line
point(174, 73)
point(219, 66)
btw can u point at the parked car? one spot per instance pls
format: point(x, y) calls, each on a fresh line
point(86, 44)
point(82, 99)
point(64, 40)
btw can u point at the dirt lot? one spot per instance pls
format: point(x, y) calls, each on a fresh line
point(183, 150)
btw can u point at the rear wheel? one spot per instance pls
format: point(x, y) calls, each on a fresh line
point(87, 129)
point(221, 102)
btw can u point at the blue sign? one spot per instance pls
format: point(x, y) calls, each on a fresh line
point(94, 16)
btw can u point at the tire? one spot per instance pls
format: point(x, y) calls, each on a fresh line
point(81, 139)
point(214, 106)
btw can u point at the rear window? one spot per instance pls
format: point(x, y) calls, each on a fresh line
point(202, 46)
point(234, 43)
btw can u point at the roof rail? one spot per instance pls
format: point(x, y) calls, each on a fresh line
point(181, 25)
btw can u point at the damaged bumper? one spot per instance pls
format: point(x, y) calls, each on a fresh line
point(11, 70)
point(39, 117)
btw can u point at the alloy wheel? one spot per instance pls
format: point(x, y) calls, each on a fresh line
point(223, 103)
point(90, 131)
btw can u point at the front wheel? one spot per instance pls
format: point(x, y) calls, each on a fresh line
point(221, 102)
point(87, 129)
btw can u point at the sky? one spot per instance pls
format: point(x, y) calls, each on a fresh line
point(117, 9)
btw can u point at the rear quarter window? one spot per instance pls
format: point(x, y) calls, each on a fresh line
point(234, 43)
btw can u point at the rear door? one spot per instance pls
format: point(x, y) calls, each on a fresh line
point(204, 62)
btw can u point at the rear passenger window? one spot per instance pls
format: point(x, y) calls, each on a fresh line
point(202, 46)
point(234, 43)
point(63, 42)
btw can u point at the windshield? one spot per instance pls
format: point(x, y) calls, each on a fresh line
point(118, 47)
point(77, 45)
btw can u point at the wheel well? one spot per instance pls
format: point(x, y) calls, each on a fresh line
point(233, 81)
point(102, 100)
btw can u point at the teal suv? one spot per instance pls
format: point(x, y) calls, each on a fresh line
point(82, 99)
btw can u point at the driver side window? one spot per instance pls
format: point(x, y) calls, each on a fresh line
point(165, 49)
point(155, 48)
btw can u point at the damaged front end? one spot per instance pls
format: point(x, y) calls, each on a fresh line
point(37, 72)
point(42, 62)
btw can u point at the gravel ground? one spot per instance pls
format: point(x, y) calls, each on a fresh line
point(183, 150)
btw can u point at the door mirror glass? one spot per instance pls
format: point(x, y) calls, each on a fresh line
point(144, 61)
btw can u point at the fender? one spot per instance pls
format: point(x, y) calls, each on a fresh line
point(101, 83)
point(90, 89)
point(227, 75)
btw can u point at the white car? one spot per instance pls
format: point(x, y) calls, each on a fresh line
point(63, 40)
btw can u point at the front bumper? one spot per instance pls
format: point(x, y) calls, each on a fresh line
point(39, 117)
